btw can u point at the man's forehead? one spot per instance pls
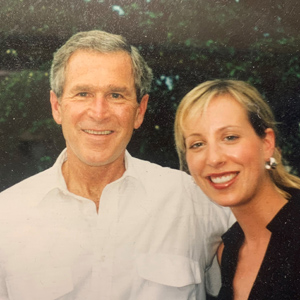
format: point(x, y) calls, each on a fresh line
point(110, 71)
point(84, 61)
point(79, 53)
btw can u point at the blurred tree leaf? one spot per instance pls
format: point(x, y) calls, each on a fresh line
point(185, 42)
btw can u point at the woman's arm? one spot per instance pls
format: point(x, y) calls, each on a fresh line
point(220, 252)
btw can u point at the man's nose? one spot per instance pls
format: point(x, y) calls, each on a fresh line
point(99, 108)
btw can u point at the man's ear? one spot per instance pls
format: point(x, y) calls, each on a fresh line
point(140, 113)
point(56, 108)
point(269, 143)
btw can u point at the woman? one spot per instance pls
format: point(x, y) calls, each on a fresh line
point(225, 137)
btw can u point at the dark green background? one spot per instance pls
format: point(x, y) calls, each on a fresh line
point(185, 42)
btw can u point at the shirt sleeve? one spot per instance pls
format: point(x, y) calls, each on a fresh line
point(3, 289)
point(212, 222)
point(213, 278)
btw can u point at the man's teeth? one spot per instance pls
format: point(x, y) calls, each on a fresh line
point(223, 179)
point(98, 132)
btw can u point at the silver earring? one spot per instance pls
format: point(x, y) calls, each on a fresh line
point(271, 164)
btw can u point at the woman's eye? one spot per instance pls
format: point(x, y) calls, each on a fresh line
point(196, 145)
point(231, 138)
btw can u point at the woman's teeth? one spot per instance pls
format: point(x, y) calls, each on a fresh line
point(223, 179)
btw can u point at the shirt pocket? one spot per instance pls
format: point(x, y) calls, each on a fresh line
point(168, 277)
point(48, 284)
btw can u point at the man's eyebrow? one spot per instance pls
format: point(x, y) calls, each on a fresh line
point(111, 88)
point(82, 87)
point(117, 88)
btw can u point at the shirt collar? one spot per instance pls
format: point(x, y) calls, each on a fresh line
point(288, 217)
point(283, 223)
point(48, 181)
point(233, 236)
point(130, 168)
point(56, 179)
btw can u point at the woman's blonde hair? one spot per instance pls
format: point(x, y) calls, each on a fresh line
point(259, 113)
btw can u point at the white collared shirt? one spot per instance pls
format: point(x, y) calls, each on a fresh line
point(153, 238)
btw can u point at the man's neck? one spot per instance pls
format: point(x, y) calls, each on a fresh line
point(90, 181)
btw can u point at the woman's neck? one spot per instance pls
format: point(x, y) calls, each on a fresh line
point(254, 216)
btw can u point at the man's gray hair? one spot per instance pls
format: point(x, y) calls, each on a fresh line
point(103, 42)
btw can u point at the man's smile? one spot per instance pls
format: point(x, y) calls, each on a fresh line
point(98, 132)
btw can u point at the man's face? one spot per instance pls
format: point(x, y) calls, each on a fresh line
point(98, 109)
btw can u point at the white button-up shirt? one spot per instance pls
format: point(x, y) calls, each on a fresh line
point(153, 238)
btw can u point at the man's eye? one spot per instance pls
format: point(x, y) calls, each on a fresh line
point(116, 95)
point(83, 94)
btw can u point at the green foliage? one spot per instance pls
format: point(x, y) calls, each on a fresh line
point(20, 95)
point(185, 42)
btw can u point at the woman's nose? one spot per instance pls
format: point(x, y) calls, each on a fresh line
point(215, 156)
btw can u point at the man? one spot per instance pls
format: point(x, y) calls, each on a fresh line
point(101, 224)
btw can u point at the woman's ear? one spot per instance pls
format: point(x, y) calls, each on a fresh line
point(269, 143)
point(56, 108)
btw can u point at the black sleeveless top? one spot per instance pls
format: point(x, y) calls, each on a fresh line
point(279, 274)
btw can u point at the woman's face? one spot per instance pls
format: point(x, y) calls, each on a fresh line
point(224, 154)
